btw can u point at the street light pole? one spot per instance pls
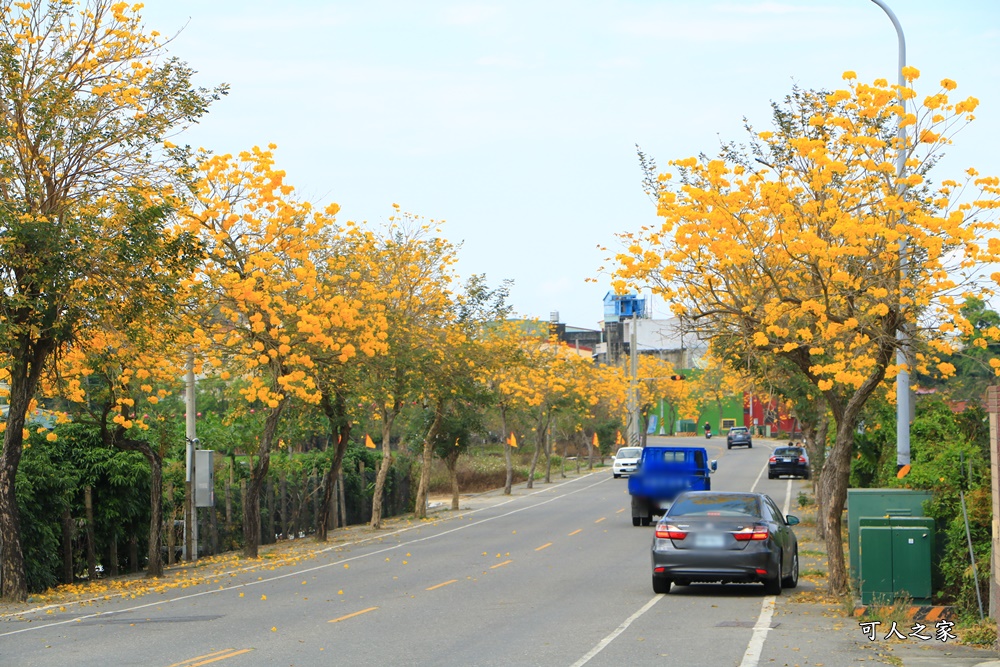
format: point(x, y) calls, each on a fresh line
point(635, 433)
point(903, 374)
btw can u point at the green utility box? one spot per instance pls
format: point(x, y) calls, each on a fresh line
point(895, 557)
point(878, 503)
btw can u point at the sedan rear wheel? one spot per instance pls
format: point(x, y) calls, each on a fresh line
point(661, 585)
point(792, 580)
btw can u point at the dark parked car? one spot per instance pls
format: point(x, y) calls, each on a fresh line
point(714, 536)
point(791, 461)
point(739, 435)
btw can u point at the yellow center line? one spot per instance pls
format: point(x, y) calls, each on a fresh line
point(547, 544)
point(221, 657)
point(493, 567)
point(357, 613)
point(578, 530)
point(201, 657)
point(620, 511)
point(600, 520)
point(440, 585)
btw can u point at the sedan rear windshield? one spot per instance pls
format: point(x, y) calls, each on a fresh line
point(628, 453)
point(738, 429)
point(789, 451)
point(716, 504)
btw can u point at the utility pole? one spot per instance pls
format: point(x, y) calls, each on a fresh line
point(190, 507)
point(634, 436)
point(993, 408)
point(903, 403)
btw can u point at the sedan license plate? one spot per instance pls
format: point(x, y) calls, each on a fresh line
point(709, 540)
point(786, 460)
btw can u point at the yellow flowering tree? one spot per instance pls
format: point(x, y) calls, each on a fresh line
point(414, 280)
point(717, 380)
point(348, 275)
point(550, 380)
point(658, 381)
point(453, 385)
point(792, 246)
point(503, 361)
point(88, 96)
point(115, 375)
point(262, 308)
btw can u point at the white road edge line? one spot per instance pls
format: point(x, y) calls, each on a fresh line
point(788, 498)
point(214, 591)
point(757, 481)
point(620, 629)
point(760, 628)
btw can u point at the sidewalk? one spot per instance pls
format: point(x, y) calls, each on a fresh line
point(836, 637)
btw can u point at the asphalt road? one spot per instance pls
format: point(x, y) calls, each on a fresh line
point(554, 576)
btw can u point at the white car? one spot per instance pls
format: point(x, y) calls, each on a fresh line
point(626, 460)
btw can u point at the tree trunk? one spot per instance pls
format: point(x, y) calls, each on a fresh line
point(270, 492)
point(251, 499)
point(509, 464)
point(509, 480)
point(562, 473)
point(388, 416)
point(154, 567)
point(335, 409)
point(314, 482)
point(286, 524)
point(171, 534)
point(833, 485)
point(341, 501)
point(88, 509)
point(576, 447)
point(28, 358)
point(229, 498)
point(548, 455)
point(539, 440)
point(113, 556)
point(67, 545)
point(213, 522)
point(133, 553)
point(451, 461)
point(420, 507)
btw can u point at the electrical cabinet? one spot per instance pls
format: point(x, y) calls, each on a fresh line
point(895, 556)
point(878, 503)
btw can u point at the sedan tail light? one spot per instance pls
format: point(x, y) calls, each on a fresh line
point(773, 459)
point(802, 459)
point(670, 533)
point(751, 533)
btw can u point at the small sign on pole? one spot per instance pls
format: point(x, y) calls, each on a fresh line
point(204, 478)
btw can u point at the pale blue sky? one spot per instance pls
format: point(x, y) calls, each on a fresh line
point(516, 121)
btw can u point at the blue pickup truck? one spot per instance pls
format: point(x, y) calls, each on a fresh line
point(663, 473)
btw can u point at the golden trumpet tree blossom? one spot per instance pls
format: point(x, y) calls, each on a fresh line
point(793, 246)
point(658, 381)
point(116, 374)
point(87, 96)
point(414, 275)
point(264, 310)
